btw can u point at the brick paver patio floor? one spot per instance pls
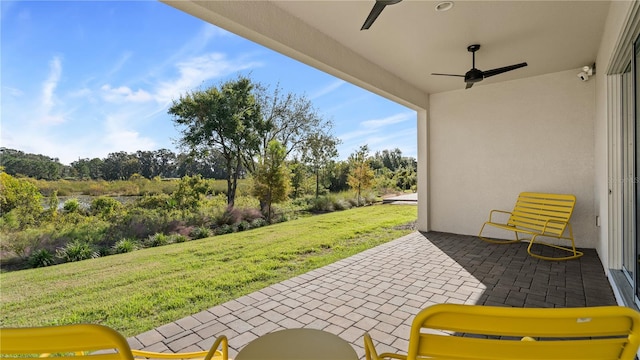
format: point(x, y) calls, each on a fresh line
point(380, 291)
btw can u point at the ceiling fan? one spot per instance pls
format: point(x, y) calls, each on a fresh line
point(377, 9)
point(474, 75)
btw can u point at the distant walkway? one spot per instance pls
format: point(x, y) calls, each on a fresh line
point(411, 199)
point(380, 290)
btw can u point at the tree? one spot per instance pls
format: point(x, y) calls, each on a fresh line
point(147, 164)
point(82, 168)
point(20, 197)
point(318, 150)
point(360, 174)
point(338, 175)
point(96, 168)
point(119, 166)
point(225, 120)
point(165, 163)
point(292, 119)
point(189, 193)
point(298, 177)
point(271, 180)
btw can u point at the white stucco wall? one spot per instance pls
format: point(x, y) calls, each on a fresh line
point(488, 144)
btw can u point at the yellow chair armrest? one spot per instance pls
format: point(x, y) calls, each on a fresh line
point(213, 353)
point(497, 211)
point(546, 223)
point(371, 353)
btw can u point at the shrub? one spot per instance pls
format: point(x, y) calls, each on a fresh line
point(41, 258)
point(104, 251)
point(9, 221)
point(341, 204)
point(178, 227)
point(139, 223)
point(177, 238)
point(303, 202)
point(369, 198)
point(76, 251)
point(71, 206)
point(104, 206)
point(21, 243)
point(124, 246)
point(250, 214)
point(200, 232)
point(190, 192)
point(22, 197)
point(158, 239)
point(74, 227)
point(160, 201)
point(258, 223)
point(243, 225)
point(229, 217)
point(323, 204)
point(224, 229)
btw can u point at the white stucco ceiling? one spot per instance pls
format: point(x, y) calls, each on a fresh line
point(410, 40)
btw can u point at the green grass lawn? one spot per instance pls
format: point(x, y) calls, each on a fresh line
point(138, 291)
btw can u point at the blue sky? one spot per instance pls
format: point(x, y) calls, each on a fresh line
point(82, 79)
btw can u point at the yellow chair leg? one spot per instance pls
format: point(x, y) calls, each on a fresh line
point(574, 253)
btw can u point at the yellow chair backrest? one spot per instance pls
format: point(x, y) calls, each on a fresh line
point(65, 342)
point(451, 331)
point(535, 210)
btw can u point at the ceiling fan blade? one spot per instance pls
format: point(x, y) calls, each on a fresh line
point(469, 85)
point(501, 70)
point(447, 74)
point(375, 12)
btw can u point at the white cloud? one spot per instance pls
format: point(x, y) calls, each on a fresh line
point(120, 63)
point(375, 126)
point(193, 46)
point(197, 70)
point(390, 120)
point(357, 134)
point(381, 134)
point(327, 89)
point(48, 98)
point(12, 91)
point(124, 94)
point(119, 136)
point(49, 85)
point(84, 92)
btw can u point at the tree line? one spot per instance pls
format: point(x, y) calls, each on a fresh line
point(120, 165)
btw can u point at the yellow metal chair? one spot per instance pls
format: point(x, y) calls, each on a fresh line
point(65, 342)
point(465, 332)
point(88, 342)
point(538, 215)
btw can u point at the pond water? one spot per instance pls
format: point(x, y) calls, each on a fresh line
point(85, 200)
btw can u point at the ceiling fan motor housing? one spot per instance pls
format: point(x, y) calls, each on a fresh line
point(473, 76)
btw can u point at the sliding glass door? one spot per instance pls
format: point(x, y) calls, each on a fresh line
point(633, 114)
point(628, 172)
point(630, 161)
point(630, 168)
